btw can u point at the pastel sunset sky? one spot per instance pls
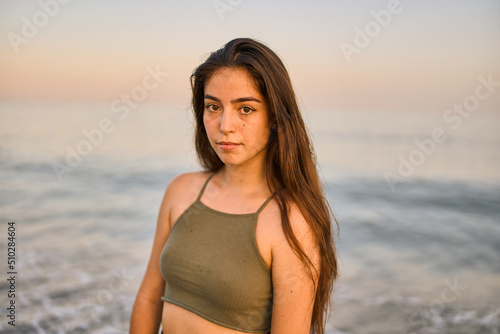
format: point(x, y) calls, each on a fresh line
point(423, 56)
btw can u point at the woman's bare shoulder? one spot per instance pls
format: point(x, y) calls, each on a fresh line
point(185, 184)
point(181, 191)
point(272, 215)
point(276, 236)
point(188, 179)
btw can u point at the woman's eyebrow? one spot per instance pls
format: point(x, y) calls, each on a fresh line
point(238, 100)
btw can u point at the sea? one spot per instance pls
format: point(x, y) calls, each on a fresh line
point(416, 199)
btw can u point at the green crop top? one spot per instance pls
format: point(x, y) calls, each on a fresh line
point(213, 268)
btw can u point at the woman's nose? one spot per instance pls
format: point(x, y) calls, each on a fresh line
point(227, 121)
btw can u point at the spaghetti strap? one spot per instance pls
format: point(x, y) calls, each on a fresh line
point(265, 203)
point(204, 186)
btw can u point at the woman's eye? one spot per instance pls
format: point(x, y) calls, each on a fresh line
point(212, 107)
point(247, 110)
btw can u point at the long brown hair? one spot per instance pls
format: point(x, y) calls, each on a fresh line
point(290, 158)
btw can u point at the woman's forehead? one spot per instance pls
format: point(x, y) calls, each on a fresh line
point(228, 81)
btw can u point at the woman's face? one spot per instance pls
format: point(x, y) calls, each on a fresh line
point(236, 118)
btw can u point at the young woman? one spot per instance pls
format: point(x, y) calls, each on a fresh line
point(246, 245)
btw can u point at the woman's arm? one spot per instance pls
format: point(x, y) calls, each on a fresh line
point(148, 306)
point(293, 287)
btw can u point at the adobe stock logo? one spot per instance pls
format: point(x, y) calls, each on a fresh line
point(31, 27)
point(372, 29)
point(122, 107)
point(453, 118)
point(449, 294)
point(223, 6)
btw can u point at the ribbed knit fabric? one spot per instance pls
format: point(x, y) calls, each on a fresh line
point(213, 268)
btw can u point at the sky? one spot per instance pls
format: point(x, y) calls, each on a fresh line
point(341, 54)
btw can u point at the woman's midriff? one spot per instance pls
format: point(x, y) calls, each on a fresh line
point(176, 320)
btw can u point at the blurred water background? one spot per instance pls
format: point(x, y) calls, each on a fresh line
point(418, 255)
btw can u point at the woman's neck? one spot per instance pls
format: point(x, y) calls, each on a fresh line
point(250, 178)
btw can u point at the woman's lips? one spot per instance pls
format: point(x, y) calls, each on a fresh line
point(227, 146)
